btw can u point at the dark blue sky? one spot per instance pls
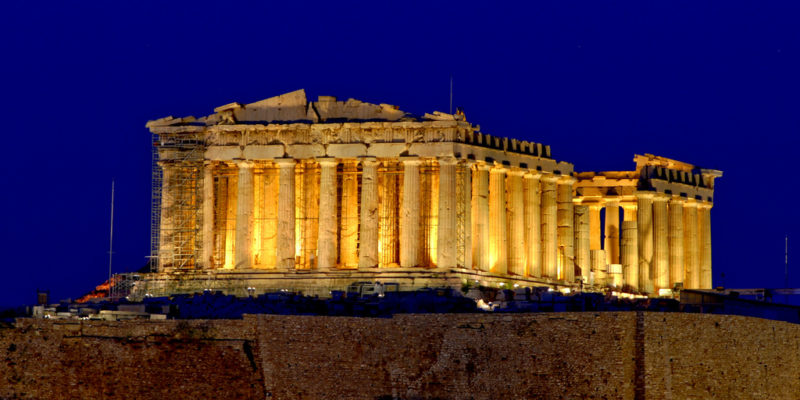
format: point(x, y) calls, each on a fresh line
point(710, 83)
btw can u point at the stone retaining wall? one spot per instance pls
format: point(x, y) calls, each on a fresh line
point(555, 355)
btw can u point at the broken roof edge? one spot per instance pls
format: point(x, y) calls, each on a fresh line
point(294, 106)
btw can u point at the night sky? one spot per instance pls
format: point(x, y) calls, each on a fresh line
point(710, 83)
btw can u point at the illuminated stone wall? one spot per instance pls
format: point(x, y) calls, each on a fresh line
point(285, 184)
point(622, 355)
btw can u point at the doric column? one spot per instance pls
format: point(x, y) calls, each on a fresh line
point(464, 173)
point(549, 227)
point(389, 221)
point(599, 268)
point(243, 258)
point(612, 232)
point(660, 243)
point(516, 224)
point(286, 216)
point(582, 246)
point(676, 241)
point(166, 246)
point(207, 249)
point(498, 245)
point(368, 236)
point(349, 218)
point(533, 224)
point(409, 214)
point(480, 216)
point(447, 229)
point(326, 236)
point(566, 230)
point(704, 230)
point(630, 254)
point(644, 219)
point(691, 254)
point(595, 233)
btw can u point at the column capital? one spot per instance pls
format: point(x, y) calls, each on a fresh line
point(594, 206)
point(482, 166)
point(660, 197)
point(468, 162)
point(327, 161)
point(244, 163)
point(532, 174)
point(285, 162)
point(567, 180)
point(704, 205)
point(498, 168)
point(516, 171)
point(677, 200)
point(368, 161)
point(643, 194)
point(611, 201)
point(690, 203)
point(447, 160)
point(410, 160)
point(549, 177)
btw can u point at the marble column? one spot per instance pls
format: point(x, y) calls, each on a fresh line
point(446, 241)
point(231, 201)
point(349, 217)
point(676, 272)
point(166, 246)
point(582, 245)
point(243, 258)
point(368, 235)
point(549, 227)
point(704, 231)
point(207, 249)
point(498, 242)
point(599, 268)
point(516, 223)
point(480, 217)
point(326, 235)
point(566, 230)
point(595, 233)
point(630, 254)
point(464, 173)
point(389, 221)
point(691, 254)
point(660, 243)
point(611, 245)
point(286, 214)
point(533, 224)
point(410, 237)
point(644, 219)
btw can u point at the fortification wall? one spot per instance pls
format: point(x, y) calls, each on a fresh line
point(560, 355)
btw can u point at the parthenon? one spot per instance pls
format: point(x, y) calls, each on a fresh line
point(287, 193)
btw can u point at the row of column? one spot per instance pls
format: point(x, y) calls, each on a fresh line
point(522, 222)
point(674, 237)
point(364, 250)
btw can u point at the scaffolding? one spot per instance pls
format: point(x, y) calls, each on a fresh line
point(122, 285)
point(155, 206)
point(176, 197)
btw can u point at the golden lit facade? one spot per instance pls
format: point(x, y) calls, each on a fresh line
point(287, 193)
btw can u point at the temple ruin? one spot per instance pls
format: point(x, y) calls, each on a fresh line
point(287, 193)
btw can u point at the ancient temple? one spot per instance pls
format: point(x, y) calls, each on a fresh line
point(287, 193)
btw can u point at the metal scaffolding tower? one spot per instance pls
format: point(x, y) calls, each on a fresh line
point(175, 236)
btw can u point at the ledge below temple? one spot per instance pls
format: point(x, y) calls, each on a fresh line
point(321, 283)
